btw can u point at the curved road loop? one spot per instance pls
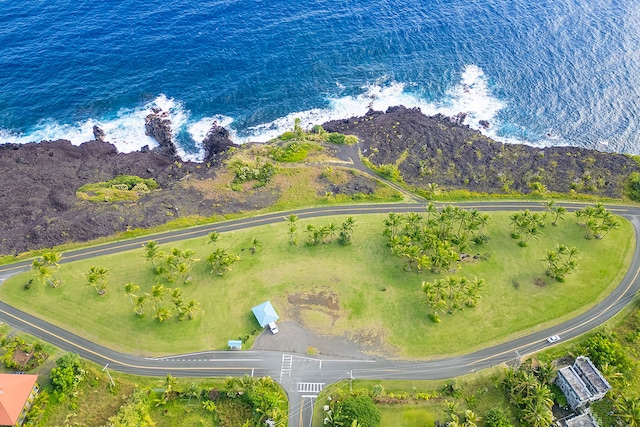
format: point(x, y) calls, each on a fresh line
point(301, 376)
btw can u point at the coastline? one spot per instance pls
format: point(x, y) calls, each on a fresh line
point(434, 155)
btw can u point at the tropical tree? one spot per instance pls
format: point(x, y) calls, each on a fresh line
point(346, 230)
point(52, 259)
point(158, 292)
point(162, 314)
point(97, 277)
point(44, 273)
point(213, 237)
point(627, 409)
point(561, 261)
point(331, 230)
point(152, 252)
point(220, 261)
point(129, 290)
point(292, 222)
point(139, 306)
point(597, 221)
point(190, 310)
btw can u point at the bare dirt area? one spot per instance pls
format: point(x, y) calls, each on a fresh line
point(310, 330)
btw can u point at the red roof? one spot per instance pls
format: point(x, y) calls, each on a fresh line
point(14, 393)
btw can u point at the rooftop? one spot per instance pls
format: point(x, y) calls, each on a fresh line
point(575, 382)
point(588, 370)
point(14, 392)
point(583, 420)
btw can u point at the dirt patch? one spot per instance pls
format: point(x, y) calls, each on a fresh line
point(540, 282)
point(323, 298)
point(21, 358)
point(307, 306)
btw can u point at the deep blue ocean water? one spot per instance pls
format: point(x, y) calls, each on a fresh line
point(542, 72)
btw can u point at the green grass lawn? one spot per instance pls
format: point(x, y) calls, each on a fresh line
point(374, 299)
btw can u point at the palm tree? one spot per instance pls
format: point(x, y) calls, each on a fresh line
point(44, 273)
point(627, 409)
point(97, 277)
point(331, 230)
point(52, 259)
point(158, 291)
point(191, 309)
point(391, 224)
point(546, 372)
point(138, 308)
point(537, 416)
point(213, 237)
point(470, 418)
point(152, 252)
point(346, 230)
point(559, 212)
point(129, 290)
point(221, 260)
point(162, 314)
point(292, 221)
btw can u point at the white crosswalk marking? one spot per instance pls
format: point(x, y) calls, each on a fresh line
point(285, 370)
point(309, 387)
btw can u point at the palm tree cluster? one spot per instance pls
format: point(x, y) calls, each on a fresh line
point(526, 224)
point(179, 308)
point(561, 261)
point(597, 221)
point(529, 391)
point(47, 269)
point(326, 233)
point(176, 265)
point(435, 241)
point(451, 294)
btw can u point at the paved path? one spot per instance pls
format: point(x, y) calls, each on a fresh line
point(300, 375)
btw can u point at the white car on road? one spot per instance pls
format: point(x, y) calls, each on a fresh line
point(553, 338)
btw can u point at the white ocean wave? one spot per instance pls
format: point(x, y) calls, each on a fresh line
point(126, 131)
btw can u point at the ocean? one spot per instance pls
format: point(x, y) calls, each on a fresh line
point(541, 72)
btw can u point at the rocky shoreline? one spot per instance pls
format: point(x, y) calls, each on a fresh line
point(39, 207)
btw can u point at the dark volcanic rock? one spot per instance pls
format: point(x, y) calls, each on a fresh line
point(437, 151)
point(98, 133)
point(38, 203)
point(158, 125)
point(216, 143)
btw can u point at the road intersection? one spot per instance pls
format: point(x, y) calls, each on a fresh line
point(303, 377)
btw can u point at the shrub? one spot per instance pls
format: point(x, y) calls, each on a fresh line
point(68, 373)
point(336, 138)
point(356, 405)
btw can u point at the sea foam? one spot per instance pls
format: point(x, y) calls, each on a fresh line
point(471, 95)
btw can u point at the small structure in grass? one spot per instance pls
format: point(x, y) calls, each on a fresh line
point(266, 315)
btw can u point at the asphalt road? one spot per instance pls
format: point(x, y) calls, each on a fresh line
point(302, 376)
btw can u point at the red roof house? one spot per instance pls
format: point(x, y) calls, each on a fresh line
point(17, 392)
